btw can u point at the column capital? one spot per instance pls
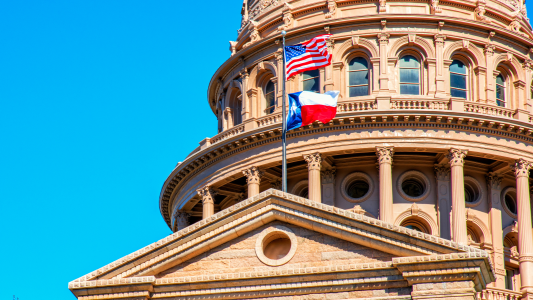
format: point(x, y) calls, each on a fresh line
point(314, 161)
point(328, 176)
point(521, 168)
point(180, 220)
point(457, 156)
point(207, 194)
point(494, 180)
point(442, 172)
point(385, 154)
point(253, 175)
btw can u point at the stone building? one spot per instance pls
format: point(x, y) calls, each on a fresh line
point(418, 189)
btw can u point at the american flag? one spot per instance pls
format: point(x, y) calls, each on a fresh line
point(307, 56)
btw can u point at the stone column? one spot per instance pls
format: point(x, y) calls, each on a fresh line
point(328, 186)
point(495, 221)
point(245, 98)
point(180, 220)
point(442, 175)
point(253, 178)
point(456, 157)
point(313, 164)
point(208, 201)
point(525, 233)
point(385, 183)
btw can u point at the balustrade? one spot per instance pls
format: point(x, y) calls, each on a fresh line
point(356, 106)
point(228, 134)
point(488, 109)
point(420, 104)
point(498, 294)
point(269, 120)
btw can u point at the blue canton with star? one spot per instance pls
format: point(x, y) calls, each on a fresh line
point(293, 51)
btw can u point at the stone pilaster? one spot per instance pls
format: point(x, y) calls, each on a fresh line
point(384, 155)
point(442, 175)
point(490, 87)
point(495, 221)
point(180, 220)
point(208, 201)
point(253, 178)
point(328, 186)
point(383, 40)
point(314, 162)
point(245, 97)
point(525, 234)
point(456, 157)
point(440, 78)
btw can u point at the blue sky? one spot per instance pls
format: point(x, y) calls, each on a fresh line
point(98, 102)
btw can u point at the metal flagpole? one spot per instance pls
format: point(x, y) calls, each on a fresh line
point(284, 125)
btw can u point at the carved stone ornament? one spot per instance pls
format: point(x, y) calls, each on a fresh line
point(480, 11)
point(383, 38)
point(494, 180)
point(456, 157)
point(358, 210)
point(382, 6)
point(384, 154)
point(288, 20)
point(328, 176)
point(521, 168)
point(489, 49)
point(233, 47)
point(253, 175)
point(528, 64)
point(207, 194)
point(313, 161)
point(442, 172)
point(415, 209)
point(515, 26)
point(332, 8)
point(435, 8)
point(254, 34)
point(439, 39)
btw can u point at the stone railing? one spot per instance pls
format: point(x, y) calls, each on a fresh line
point(420, 104)
point(488, 109)
point(360, 105)
point(498, 294)
point(228, 134)
point(269, 120)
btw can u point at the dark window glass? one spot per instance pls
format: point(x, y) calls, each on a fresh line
point(311, 81)
point(304, 193)
point(470, 194)
point(270, 98)
point(238, 113)
point(413, 227)
point(409, 75)
point(510, 203)
point(358, 189)
point(413, 188)
point(458, 80)
point(500, 90)
point(358, 77)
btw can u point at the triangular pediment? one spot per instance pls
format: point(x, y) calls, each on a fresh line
point(343, 242)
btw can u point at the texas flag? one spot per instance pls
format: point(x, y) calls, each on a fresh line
point(307, 107)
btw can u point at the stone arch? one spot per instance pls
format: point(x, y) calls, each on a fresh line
point(485, 236)
point(298, 188)
point(470, 49)
point(261, 68)
point(343, 50)
point(511, 228)
point(428, 48)
point(234, 88)
point(512, 63)
point(415, 212)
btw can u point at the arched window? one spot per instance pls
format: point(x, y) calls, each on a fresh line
point(358, 77)
point(237, 113)
point(458, 79)
point(270, 98)
point(500, 91)
point(409, 75)
point(311, 81)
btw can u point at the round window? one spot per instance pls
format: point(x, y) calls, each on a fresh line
point(510, 203)
point(470, 194)
point(413, 186)
point(473, 191)
point(358, 189)
point(276, 245)
point(278, 248)
point(508, 198)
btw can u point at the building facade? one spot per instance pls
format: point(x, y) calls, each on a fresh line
point(418, 189)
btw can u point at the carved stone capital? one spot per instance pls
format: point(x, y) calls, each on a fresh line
point(489, 49)
point(314, 161)
point(457, 157)
point(439, 39)
point(383, 38)
point(207, 194)
point(494, 180)
point(521, 168)
point(442, 172)
point(276, 184)
point(181, 220)
point(328, 176)
point(384, 155)
point(253, 175)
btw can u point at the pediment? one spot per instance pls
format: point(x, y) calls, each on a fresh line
point(329, 240)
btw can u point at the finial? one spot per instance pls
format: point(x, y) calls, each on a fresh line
point(283, 33)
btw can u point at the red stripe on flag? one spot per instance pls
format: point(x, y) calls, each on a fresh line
point(322, 113)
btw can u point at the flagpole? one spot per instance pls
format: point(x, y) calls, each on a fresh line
point(284, 125)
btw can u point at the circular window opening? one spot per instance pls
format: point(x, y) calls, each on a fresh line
point(510, 203)
point(358, 189)
point(278, 248)
point(470, 194)
point(413, 187)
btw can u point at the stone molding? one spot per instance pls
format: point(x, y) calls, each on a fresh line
point(480, 124)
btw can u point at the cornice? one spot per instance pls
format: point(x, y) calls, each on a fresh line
point(345, 121)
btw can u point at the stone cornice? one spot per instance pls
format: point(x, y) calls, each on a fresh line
point(421, 119)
